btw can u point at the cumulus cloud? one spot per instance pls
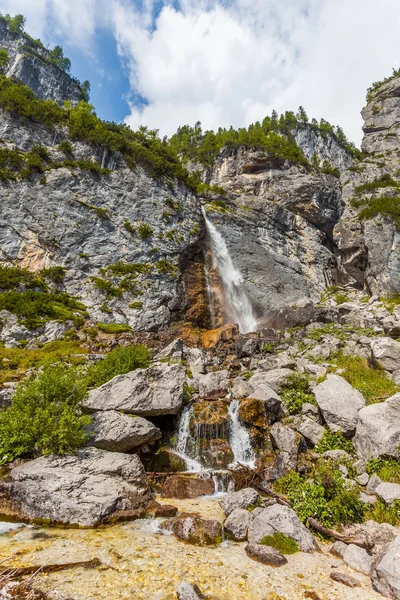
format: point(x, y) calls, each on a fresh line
point(230, 62)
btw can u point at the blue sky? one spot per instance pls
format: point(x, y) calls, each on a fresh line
point(165, 63)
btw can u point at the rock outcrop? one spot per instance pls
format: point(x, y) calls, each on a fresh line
point(378, 429)
point(116, 432)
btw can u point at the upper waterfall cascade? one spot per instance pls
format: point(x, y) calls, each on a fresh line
point(236, 303)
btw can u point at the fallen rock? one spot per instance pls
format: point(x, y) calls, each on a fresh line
point(311, 431)
point(155, 391)
point(345, 579)
point(186, 591)
point(116, 432)
point(242, 499)
point(386, 353)
point(272, 379)
point(86, 488)
point(338, 549)
point(240, 388)
point(195, 530)
point(282, 519)
point(339, 404)
point(372, 484)
point(385, 576)
point(182, 487)
point(358, 559)
point(378, 429)
point(265, 555)
point(388, 492)
point(287, 441)
point(237, 524)
point(213, 385)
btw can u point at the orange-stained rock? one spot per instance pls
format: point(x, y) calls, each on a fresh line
point(210, 339)
point(182, 487)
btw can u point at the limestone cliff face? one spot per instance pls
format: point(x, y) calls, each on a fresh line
point(370, 245)
point(278, 226)
point(29, 63)
point(325, 147)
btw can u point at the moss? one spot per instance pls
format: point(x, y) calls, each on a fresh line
point(114, 327)
point(282, 543)
point(106, 287)
point(163, 266)
point(136, 305)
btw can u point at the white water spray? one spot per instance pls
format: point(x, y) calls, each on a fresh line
point(237, 305)
point(239, 438)
point(182, 441)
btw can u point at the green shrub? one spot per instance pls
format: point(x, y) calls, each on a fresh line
point(117, 362)
point(65, 147)
point(106, 287)
point(280, 541)
point(56, 274)
point(385, 206)
point(121, 268)
point(334, 441)
point(129, 227)
point(145, 231)
point(136, 305)
point(391, 302)
point(386, 467)
point(341, 298)
point(380, 513)
point(114, 327)
point(325, 496)
point(372, 383)
point(382, 182)
point(12, 277)
point(295, 391)
point(163, 266)
point(44, 416)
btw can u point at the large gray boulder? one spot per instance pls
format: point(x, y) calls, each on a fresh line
point(279, 519)
point(287, 441)
point(386, 352)
point(213, 385)
point(311, 431)
point(86, 488)
point(378, 429)
point(388, 492)
point(265, 555)
point(385, 576)
point(339, 404)
point(113, 431)
point(155, 391)
point(237, 524)
point(358, 558)
point(242, 499)
point(269, 379)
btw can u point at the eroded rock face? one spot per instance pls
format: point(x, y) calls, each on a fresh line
point(339, 404)
point(116, 432)
point(86, 488)
point(157, 390)
point(378, 429)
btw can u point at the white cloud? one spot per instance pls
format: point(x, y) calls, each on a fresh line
point(229, 62)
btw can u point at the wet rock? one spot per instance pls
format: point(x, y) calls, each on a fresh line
point(195, 530)
point(378, 429)
point(86, 488)
point(182, 487)
point(216, 453)
point(265, 555)
point(386, 352)
point(237, 524)
point(210, 419)
point(214, 385)
point(186, 591)
point(242, 499)
point(165, 511)
point(282, 519)
point(388, 492)
point(339, 404)
point(357, 558)
point(115, 432)
point(166, 460)
point(260, 413)
point(211, 338)
point(155, 391)
point(385, 576)
point(345, 579)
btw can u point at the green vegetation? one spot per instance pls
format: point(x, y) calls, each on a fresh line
point(44, 416)
point(135, 269)
point(129, 227)
point(145, 231)
point(106, 287)
point(385, 206)
point(391, 302)
point(386, 467)
point(136, 305)
point(56, 274)
point(372, 383)
point(381, 513)
point(295, 391)
point(114, 327)
point(119, 361)
point(280, 541)
point(334, 441)
point(325, 496)
point(377, 84)
point(383, 182)
point(3, 59)
point(65, 147)
point(329, 329)
point(163, 266)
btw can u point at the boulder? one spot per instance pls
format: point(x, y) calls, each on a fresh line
point(270, 379)
point(195, 530)
point(242, 499)
point(240, 388)
point(182, 487)
point(213, 385)
point(339, 404)
point(377, 535)
point(116, 432)
point(281, 519)
point(388, 492)
point(86, 488)
point(311, 431)
point(311, 412)
point(173, 351)
point(196, 361)
point(265, 555)
point(237, 524)
point(186, 591)
point(287, 441)
point(385, 576)
point(260, 413)
point(155, 391)
point(372, 484)
point(378, 429)
point(357, 558)
point(345, 579)
point(386, 353)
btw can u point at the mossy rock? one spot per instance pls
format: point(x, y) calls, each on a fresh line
point(166, 460)
point(210, 420)
point(281, 542)
point(216, 453)
point(252, 412)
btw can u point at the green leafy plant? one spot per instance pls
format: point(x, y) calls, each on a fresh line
point(295, 391)
point(280, 541)
point(119, 361)
point(381, 513)
point(386, 467)
point(334, 441)
point(145, 231)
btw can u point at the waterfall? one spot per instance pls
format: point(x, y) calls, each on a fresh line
point(182, 441)
point(237, 305)
point(210, 294)
point(239, 438)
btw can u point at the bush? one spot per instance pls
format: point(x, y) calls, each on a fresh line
point(325, 497)
point(114, 327)
point(334, 441)
point(386, 467)
point(380, 513)
point(145, 231)
point(295, 391)
point(119, 361)
point(44, 416)
point(280, 541)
